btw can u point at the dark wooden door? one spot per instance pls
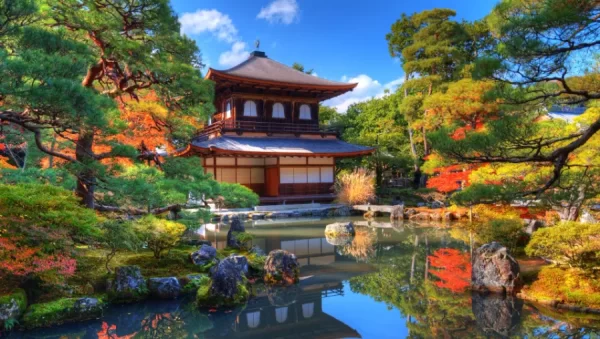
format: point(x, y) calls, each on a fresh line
point(272, 182)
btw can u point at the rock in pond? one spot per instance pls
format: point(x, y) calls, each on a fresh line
point(341, 240)
point(281, 268)
point(62, 311)
point(164, 288)
point(128, 285)
point(12, 306)
point(494, 270)
point(237, 226)
point(204, 256)
point(226, 287)
point(340, 229)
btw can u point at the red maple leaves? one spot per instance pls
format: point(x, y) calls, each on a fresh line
point(450, 178)
point(20, 260)
point(452, 268)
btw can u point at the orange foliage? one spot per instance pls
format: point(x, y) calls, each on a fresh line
point(461, 132)
point(452, 267)
point(145, 122)
point(19, 260)
point(450, 178)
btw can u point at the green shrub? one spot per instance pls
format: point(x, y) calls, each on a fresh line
point(509, 232)
point(118, 236)
point(244, 238)
point(238, 196)
point(569, 242)
point(159, 234)
point(47, 206)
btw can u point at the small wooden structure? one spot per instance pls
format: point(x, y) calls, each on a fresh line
point(266, 134)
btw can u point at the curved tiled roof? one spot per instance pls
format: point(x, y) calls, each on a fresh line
point(259, 67)
point(285, 146)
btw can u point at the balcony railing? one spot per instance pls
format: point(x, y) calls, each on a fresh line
point(275, 127)
point(262, 126)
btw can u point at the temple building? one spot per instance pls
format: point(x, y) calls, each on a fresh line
point(266, 135)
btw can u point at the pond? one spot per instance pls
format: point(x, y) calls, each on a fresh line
point(385, 283)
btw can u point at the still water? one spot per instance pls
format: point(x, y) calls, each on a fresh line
point(387, 282)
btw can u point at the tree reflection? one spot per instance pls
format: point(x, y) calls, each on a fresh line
point(362, 247)
point(430, 291)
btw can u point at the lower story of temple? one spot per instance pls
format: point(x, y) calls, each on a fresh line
point(277, 178)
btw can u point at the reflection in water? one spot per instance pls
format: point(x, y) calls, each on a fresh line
point(418, 271)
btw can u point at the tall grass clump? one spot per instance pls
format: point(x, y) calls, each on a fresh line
point(356, 187)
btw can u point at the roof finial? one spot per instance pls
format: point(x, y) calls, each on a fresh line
point(257, 44)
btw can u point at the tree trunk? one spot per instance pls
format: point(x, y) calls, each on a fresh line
point(413, 148)
point(425, 143)
point(51, 158)
point(86, 180)
point(572, 211)
point(109, 257)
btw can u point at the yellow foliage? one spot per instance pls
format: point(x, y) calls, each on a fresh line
point(571, 286)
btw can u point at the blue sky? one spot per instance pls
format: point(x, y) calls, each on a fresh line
point(340, 40)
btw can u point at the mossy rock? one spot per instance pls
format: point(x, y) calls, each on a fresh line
point(11, 307)
point(127, 286)
point(206, 296)
point(62, 311)
point(191, 283)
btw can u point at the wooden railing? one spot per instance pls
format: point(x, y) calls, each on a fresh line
point(262, 126)
point(275, 127)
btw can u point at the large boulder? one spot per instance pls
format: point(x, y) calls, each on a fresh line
point(494, 270)
point(340, 229)
point(164, 288)
point(497, 316)
point(340, 240)
point(11, 307)
point(227, 286)
point(237, 226)
point(281, 268)
point(204, 256)
point(128, 285)
point(240, 263)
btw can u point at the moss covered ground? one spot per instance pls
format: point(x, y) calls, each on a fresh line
point(57, 312)
point(91, 270)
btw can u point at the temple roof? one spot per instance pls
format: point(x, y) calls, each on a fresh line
point(260, 68)
point(279, 146)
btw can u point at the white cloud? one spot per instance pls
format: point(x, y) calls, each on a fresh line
point(366, 89)
point(221, 26)
point(236, 55)
point(213, 21)
point(284, 11)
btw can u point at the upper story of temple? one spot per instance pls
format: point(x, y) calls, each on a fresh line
point(263, 95)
